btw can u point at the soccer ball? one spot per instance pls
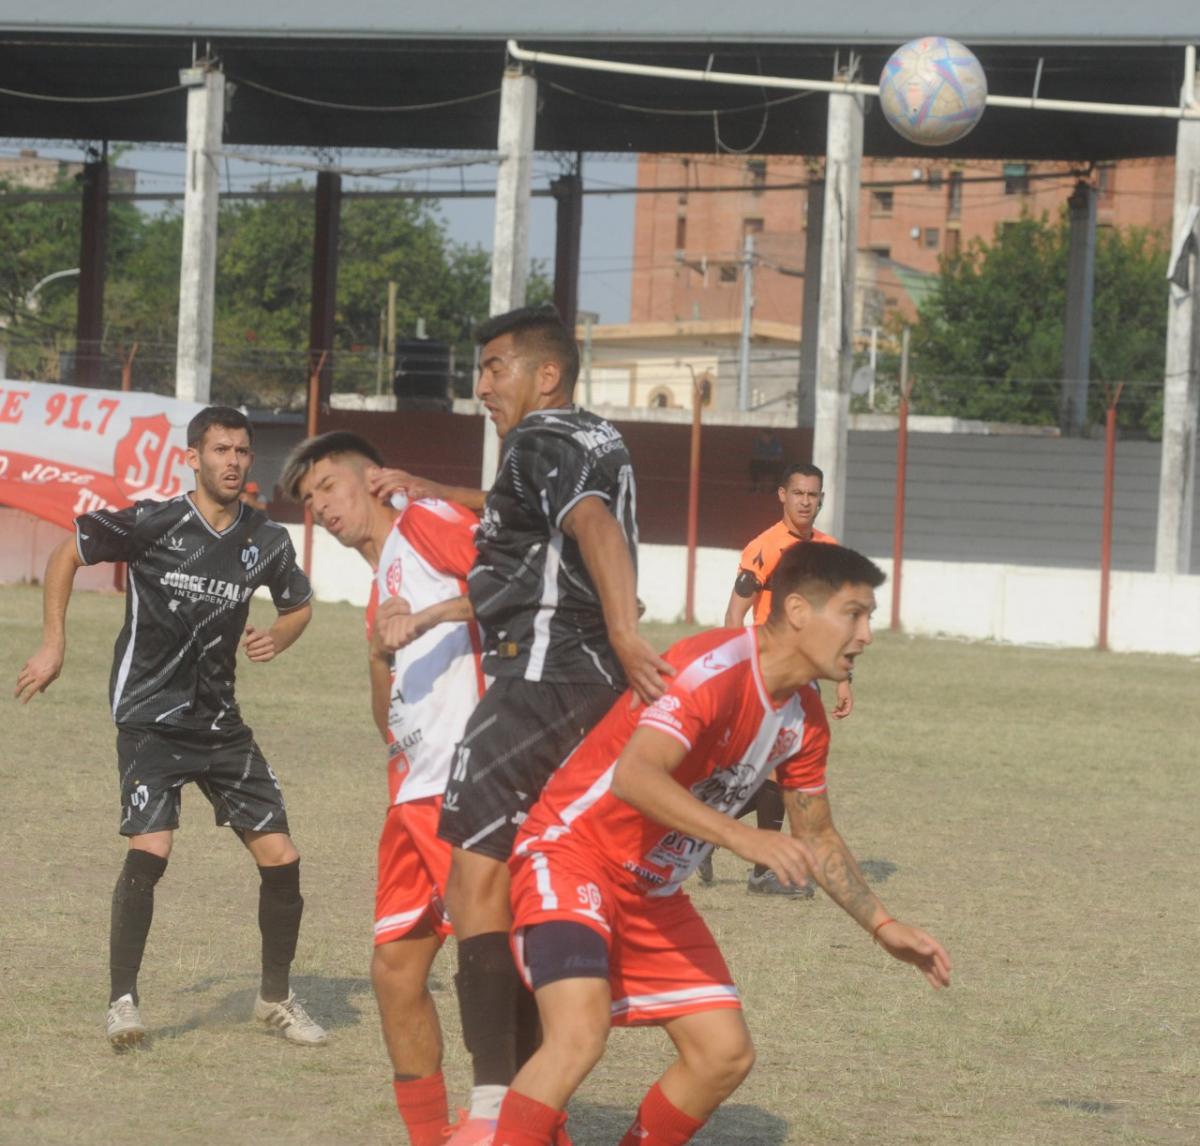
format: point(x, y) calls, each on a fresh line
point(933, 90)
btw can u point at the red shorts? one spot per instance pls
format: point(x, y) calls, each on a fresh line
point(413, 868)
point(663, 960)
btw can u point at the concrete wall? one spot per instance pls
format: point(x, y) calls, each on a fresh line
point(1014, 604)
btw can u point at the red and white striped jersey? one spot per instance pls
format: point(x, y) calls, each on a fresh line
point(735, 735)
point(436, 680)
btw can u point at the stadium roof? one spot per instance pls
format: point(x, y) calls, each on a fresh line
point(382, 73)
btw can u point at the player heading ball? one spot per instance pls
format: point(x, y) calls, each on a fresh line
point(603, 932)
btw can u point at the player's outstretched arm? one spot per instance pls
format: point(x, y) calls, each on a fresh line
point(837, 871)
point(385, 482)
point(747, 589)
point(42, 669)
point(606, 555)
point(643, 779)
point(264, 645)
point(735, 611)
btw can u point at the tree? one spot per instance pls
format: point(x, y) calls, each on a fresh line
point(262, 305)
point(989, 341)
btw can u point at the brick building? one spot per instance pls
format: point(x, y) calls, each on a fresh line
point(688, 241)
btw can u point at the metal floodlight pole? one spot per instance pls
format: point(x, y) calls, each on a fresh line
point(316, 366)
point(901, 482)
point(747, 323)
point(1106, 531)
point(693, 518)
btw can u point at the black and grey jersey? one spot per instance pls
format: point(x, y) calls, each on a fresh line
point(531, 592)
point(186, 604)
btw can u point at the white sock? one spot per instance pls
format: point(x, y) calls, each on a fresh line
point(486, 1100)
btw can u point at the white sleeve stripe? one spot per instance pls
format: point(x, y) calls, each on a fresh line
point(575, 501)
point(648, 721)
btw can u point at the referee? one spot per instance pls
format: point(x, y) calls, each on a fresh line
point(801, 494)
point(194, 563)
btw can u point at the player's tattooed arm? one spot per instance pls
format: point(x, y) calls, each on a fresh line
point(42, 669)
point(837, 871)
point(264, 645)
point(385, 482)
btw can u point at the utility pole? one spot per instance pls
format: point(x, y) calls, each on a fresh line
point(747, 322)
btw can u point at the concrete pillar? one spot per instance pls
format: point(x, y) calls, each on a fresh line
point(1181, 388)
point(844, 148)
point(810, 319)
point(198, 265)
point(324, 277)
point(1077, 333)
point(510, 241)
point(93, 242)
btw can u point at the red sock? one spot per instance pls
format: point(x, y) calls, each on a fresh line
point(422, 1105)
point(659, 1123)
point(526, 1122)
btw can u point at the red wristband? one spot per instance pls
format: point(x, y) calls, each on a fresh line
point(880, 926)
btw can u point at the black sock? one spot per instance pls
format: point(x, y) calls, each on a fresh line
point(529, 1026)
point(489, 988)
point(280, 906)
point(132, 911)
point(769, 813)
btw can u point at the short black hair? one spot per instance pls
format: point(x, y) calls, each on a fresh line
point(225, 416)
point(817, 570)
point(538, 329)
point(807, 469)
point(312, 450)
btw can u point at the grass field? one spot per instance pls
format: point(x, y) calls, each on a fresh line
point(1037, 810)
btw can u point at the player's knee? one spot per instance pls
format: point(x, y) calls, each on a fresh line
point(724, 1065)
point(394, 971)
point(577, 1045)
point(740, 1063)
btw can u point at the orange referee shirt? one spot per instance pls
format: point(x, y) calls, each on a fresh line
point(762, 555)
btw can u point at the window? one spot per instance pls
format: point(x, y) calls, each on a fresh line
point(935, 180)
point(757, 169)
point(1016, 179)
point(1106, 182)
point(882, 202)
point(953, 242)
point(880, 250)
point(681, 232)
point(728, 273)
point(932, 238)
point(751, 227)
point(954, 190)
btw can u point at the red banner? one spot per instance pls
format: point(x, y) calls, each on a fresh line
point(66, 451)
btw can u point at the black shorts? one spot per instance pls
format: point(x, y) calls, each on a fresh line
point(518, 735)
point(154, 764)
